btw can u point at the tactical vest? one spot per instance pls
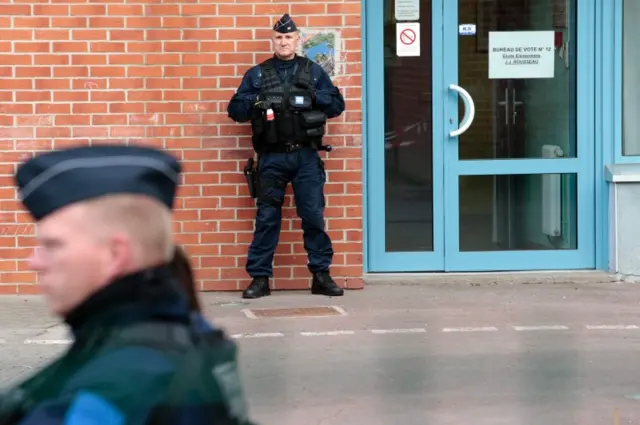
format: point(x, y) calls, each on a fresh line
point(294, 121)
point(205, 383)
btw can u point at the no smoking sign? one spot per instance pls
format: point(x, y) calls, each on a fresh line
point(408, 39)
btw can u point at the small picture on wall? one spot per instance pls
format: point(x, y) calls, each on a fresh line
point(322, 47)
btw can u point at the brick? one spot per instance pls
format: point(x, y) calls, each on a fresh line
point(69, 22)
point(161, 74)
point(88, 9)
point(216, 22)
point(235, 9)
point(253, 21)
point(344, 8)
point(58, 59)
point(32, 71)
point(52, 34)
point(199, 10)
point(89, 34)
point(308, 9)
point(125, 9)
point(28, 289)
point(106, 22)
point(126, 35)
point(14, 9)
point(32, 22)
point(235, 34)
point(67, 46)
point(269, 9)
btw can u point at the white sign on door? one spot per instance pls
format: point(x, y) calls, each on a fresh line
point(407, 10)
point(467, 29)
point(408, 39)
point(521, 54)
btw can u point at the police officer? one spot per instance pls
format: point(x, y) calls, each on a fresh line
point(288, 99)
point(104, 258)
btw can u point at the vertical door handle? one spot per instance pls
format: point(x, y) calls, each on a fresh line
point(506, 106)
point(505, 103)
point(469, 111)
point(515, 103)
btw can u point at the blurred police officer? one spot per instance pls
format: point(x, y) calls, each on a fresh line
point(104, 259)
point(288, 99)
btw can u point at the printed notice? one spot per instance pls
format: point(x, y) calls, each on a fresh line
point(408, 39)
point(467, 29)
point(521, 54)
point(407, 10)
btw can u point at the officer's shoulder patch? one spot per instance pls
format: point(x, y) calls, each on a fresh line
point(91, 409)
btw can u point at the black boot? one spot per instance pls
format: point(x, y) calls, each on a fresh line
point(259, 287)
point(324, 285)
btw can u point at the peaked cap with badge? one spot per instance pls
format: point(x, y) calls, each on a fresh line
point(285, 25)
point(56, 179)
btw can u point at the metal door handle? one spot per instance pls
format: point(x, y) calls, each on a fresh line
point(469, 111)
point(505, 103)
point(506, 106)
point(515, 103)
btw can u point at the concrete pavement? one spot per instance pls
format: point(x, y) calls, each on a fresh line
point(437, 354)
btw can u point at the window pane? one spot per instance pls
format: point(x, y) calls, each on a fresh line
point(518, 212)
point(631, 78)
point(408, 138)
point(516, 117)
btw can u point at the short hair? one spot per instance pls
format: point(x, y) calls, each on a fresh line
point(146, 220)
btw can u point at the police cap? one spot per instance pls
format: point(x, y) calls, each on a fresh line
point(53, 180)
point(285, 25)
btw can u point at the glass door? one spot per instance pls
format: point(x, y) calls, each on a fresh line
point(518, 182)
point(405, 226)
point(479, 135)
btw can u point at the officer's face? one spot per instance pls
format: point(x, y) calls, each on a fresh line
point(285, 44)
point(70, 260)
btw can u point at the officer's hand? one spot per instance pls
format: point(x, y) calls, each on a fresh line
point(261, 105)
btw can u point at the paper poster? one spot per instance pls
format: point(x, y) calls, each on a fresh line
point(408, 39)
point(521, 54)
point(407, 10)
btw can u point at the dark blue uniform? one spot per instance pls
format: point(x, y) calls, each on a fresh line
point(288, 102)
point(302, 167)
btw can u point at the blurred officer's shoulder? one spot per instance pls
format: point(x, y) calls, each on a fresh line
point(128, 376)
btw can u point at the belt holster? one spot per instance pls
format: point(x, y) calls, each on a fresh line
point(251, 175)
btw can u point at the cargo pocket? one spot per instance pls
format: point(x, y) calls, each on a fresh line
point(313, 122)
point(272, 191)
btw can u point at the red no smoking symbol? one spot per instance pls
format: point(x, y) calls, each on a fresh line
point(408, 36)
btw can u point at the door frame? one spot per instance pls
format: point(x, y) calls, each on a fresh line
point(446, 257)
point(377, 259)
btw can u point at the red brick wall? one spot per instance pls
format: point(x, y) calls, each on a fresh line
point(161, 74)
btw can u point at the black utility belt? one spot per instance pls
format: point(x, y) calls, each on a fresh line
point(290, 147)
